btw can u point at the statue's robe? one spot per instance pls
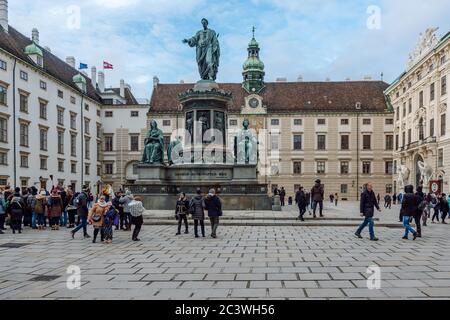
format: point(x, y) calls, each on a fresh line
point(154, 147)
point(208, 53)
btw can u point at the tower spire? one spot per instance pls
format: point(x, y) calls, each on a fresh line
point(253, 72)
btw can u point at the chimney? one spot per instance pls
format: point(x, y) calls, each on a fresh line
point(367, 78)
point(327, 79)
point(181, 81)
point(348, 79)
point(122, 88)
point(281, 80)
point(71, 61)
point(4, 14)
point(94, 77)
point(300, 78)
point(101, 81)
point(35, 35)
point(155, 81)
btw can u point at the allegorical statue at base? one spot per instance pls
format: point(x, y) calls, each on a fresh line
point(208, 51)
point(246, 145)
point(173, 148)
point(154, 145)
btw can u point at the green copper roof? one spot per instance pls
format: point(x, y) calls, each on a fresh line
point(253, 63)
point(33, 49)
point(79, 79)
point(253, 43)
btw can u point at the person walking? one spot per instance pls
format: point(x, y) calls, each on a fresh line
point(119, 207)
point(409, 208)
point(367, 206)
point(308, 202)
point(282, 196)
point(378, 199)
point(71, 208)
point(96, 218)
point(136, 211)
point(2, 211)
point(125, 200)
point(444, 208)
point(427, 209)
point(214, 207)
point(81, 202)
point(110, 218)
point(16, 210)
point(181, 212)
point(421, 204)
point(336, 199)
point(387, 201)
point(317, 197)
point(55, 205)
point(436, 205)
point(196, 208)
point(31, 203)
point(63, 193)
point(300, 199)
point(27, 215)
point(394, 199)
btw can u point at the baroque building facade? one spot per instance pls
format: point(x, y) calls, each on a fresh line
point(340, 132)
point(420, 99)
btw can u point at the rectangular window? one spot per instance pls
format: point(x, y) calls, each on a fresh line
point(60, 166)
point(344, 167)
point(233, 123)
point(344, 122)
point(366, 167)
point(410, 104)
point(87, 148)
point(43, 163)
point(297, 142)
point(135, 114)
point(23, 103)
point(420, 100)
point(432, 92)
point(73, 167)
point(134, 143)
point(432, 128)
point(398, 113)
point(344, 188)
point(404, 109)
point(43, 110)
point(73, 100)
point(297, 167)
point(404, 138)
point(388, 167)
point(389, 189)
point(87, 169)
point(86, 107)
point(275, 122)
point(73, 121)
point(3, 130)
point(166, 123)
point(3, 65)
point(60, 94)
point(367, 142)
point(274, 142)
point(367, 122)
point(108, 168)
point(389, 121)
point(108, 114)
point(298, 122)
point(24, 161)
point(98, 113)
point(321, 166)
point(440, 158)
point(3, 158)
point(61, 142)
point(43, 85)
point(3, 95)
point(99, 130)
point(389, 142)
point(73, 145)
point(86, 126)
point(23, 75)
point(443, 124)
point(321, 122)
point(397, 144)
point(409, 136)
point(444, 85)
point(24, 138)
point(109, 146)
point(345, 142)
point(60, 116)
point(321, 142)
point(43, 139)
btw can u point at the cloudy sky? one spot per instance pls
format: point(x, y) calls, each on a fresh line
point(322, 39)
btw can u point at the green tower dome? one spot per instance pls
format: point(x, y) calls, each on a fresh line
point(79, 79)
point(33, 49)
point(253, 68)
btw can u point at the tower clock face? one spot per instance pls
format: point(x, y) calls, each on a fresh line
point(254, 103)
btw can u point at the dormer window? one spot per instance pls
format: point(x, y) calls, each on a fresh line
point(35, 53)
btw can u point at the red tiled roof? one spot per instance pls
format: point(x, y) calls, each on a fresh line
point(290, 96)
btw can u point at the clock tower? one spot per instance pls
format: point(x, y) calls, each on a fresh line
point(253, 72)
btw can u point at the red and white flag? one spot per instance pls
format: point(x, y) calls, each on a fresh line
point(107, 65)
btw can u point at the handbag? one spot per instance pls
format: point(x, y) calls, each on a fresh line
point(96, 217)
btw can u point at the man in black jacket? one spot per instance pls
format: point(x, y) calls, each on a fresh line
point(367, 204)
point(300, 199)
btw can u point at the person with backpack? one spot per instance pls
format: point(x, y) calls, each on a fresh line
point(81, 202)
point(55, 205)
point(125, 200)
point(2, 211)
point(282, 196)
point(181, 212)
point(110, 218)
point(214, 207)
point(317, 197)
point(436, 205)
point(31, 203)
point(136, 211)
point(16, 210)
point(387, 201)
point(96, 218)
point(444, 208)
point(421, 204)
point(300, 199)
point(409, 208)
point(39, 210)
point(196, 208)
point(27, 215)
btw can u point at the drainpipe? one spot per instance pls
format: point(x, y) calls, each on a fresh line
point(357, 155)
point(14, 125)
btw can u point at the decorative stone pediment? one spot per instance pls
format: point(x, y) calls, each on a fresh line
point(427, 41)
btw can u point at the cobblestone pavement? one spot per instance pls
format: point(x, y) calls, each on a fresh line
point(245, 262)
